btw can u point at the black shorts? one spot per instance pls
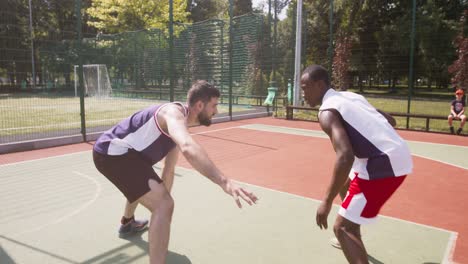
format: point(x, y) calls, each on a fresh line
point(130, 173)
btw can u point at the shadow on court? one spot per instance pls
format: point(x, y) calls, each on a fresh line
point(172, 257)
point(4, 257)
point(117, 255)
point(374, 260)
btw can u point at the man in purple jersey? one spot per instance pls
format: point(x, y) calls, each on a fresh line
point(126, 153)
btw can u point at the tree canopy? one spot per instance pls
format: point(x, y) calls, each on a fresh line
point(115, 16)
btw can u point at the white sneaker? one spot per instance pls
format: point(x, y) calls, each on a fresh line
point(335, 243)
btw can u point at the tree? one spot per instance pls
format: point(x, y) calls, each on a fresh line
point(459, 68)
point(14, 36)
point(341, 63)
point(201, 10)
point(242, 7)
point(54, 28)
point(115, 16)
point(342, 56)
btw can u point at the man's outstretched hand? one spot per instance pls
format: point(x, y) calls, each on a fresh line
point(236, 191)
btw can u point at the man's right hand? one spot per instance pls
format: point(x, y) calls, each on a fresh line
point(236, 191)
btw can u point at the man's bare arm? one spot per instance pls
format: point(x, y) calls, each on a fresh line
point(198, 158)
point(389, 118)
point(191, 150)
point(332, 125)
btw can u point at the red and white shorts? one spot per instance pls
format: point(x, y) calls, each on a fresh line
point(365, 198)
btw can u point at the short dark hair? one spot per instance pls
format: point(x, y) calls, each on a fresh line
point(202, 90)
point(317, 73)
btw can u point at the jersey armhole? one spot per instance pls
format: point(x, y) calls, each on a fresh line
point(161, 107)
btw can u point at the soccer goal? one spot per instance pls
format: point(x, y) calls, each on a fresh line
point(95, 79)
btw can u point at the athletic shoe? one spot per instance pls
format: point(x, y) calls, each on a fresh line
point(452, 131)
point(459, 131)
point(132, 227)
point(335, 243)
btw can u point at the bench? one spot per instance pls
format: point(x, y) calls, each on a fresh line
point(259, 99)
point(290, 114)
point(290, 110)
point(422, 116)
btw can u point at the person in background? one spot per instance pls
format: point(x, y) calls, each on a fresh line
point(457, 112)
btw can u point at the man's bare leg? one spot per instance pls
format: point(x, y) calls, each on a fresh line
point(343, 192)
point(158, 200)
point(129, 210)
point(349, 235)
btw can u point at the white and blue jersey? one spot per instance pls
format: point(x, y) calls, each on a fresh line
point(140, 132)
point(379, 151)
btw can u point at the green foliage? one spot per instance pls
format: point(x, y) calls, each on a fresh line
point(242, 7)
point(201, 10)
point(114, 16)
point(459, 68)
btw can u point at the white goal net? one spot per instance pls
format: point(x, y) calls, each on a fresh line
point(95, 80)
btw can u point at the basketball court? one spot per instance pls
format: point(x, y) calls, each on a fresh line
point(57, 208)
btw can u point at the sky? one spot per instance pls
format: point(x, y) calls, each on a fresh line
point(257, 3)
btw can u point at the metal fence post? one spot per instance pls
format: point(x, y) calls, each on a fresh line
point(231, 14)
point(410, 91)
point(171, 50)
point(80, 69)
point(31, 29)
point(330, 43)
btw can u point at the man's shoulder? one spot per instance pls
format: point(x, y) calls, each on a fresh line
point(172, 110)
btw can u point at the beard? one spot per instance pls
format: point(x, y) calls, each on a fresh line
point(204, 119)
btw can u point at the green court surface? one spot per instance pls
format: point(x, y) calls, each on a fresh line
point(61, 210)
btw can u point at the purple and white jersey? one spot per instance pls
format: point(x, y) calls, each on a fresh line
point(140, 132)
point(380, 152)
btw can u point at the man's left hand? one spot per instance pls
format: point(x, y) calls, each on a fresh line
point(322, 214)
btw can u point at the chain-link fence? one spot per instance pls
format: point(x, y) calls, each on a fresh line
point(396, 54)
point(121, 73)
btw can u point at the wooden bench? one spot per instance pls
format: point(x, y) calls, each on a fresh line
point(259, 99)
point(290, 114)
point(290, 110)
point(422, 116)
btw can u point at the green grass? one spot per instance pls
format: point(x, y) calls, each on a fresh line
point(45, 114)
point(26, 114)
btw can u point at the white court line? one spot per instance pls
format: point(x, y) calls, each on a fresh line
point(46, 158)
point(432, 143)
point(80, 152)
point(97, 193)
point(252, 126)
point(311, 131)
point(444, 162)
point(450, 250)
